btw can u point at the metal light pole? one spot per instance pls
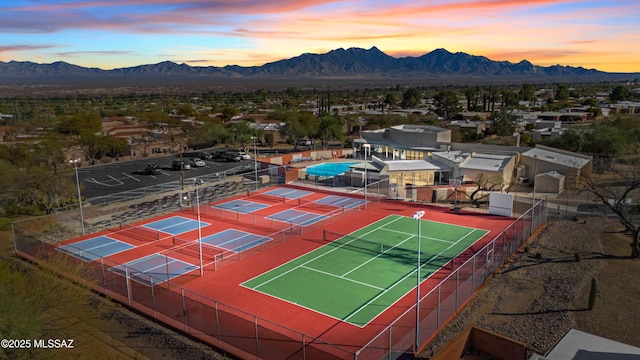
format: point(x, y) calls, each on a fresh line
point(417, 216)
point(255, 160)
point(366, 147)
point(198, 182)
point(533, 197)
point(75, 163)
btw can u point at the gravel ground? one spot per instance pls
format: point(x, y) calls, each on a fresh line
point(532, 298)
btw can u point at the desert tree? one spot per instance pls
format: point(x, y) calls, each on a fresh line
point(618, 195)
point(485, 184)
point(411, 98)
point(503, 123)
point(527, 92)
point(447, 104)
point(390, 99)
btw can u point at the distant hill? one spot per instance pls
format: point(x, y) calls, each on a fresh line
point(351, 64)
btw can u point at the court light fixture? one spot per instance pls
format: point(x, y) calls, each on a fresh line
point(255, 159)
point(417, 216)
point(197, 183)
point(75, 163)
point(367, 147)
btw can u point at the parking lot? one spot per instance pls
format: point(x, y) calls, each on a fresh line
point(102, 180)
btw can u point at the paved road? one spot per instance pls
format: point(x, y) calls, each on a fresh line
point(102, 180)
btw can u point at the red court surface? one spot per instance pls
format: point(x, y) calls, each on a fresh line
point(199, 300)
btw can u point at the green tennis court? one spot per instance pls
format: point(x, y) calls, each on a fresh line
point(358, 276)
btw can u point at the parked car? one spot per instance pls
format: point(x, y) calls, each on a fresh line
point(232, 156)
point(219, 154)
point(244, 155)
point(196, 162)
point(151, 169)
point(177, 164)
point(204, 155)
point(305, 142)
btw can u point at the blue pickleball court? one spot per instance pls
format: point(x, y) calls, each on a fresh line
point(154, 269)
point(175, 225)
point(297, 217)
point(241, 206)
point(287, 193)
point(235, 240)
point(95, 248)
point(340, 201)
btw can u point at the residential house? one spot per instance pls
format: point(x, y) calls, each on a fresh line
point(543, 159)
point(406, 142)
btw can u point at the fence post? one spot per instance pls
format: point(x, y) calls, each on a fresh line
point(473, 274)
point(153, 298)
point(184, 311)
point(15, 238)
point(390, 339)
point(126, 271)
point(104, 277)
point(304, 348)
point(437, 312)
point(217, 322)
point(457, 286)
point(255, 324)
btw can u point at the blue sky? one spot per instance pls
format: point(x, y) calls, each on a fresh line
point(121, 33)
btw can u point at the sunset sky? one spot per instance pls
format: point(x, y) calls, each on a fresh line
point(120, 33)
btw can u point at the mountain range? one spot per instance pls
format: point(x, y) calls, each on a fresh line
point(352, 63)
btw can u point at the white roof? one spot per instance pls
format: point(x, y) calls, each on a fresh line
point(419, 128)
point(556, 157)
point(365, 164)
point(485, 162)
point(414, 165)
point(454, 156)
point(576, 345)
point(395, 145)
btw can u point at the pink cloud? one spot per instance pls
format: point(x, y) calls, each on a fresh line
point(12, 48)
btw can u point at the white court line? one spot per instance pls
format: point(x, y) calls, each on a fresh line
point(231, 240)
point(313, 259)
point(185, 221)
point(377, 256)
point(341, 277)
point(301, 215)
point(406, 276)
point(422, 237)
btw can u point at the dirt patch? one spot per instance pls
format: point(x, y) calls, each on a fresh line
point(615, 314)
point(543, 291)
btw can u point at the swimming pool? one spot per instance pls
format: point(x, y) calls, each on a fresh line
point(329, 169)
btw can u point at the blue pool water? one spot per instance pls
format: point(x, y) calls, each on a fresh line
point(329, 169)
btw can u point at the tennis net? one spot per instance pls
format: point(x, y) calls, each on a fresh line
point(372, 247)
point(192, 248)
point(139, 233)
point(318, 207)
point(268, 197)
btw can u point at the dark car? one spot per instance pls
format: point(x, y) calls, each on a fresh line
point(219, 154)
point(232, 156)
point(151, 169)
point(204, 155)
point(177, 164)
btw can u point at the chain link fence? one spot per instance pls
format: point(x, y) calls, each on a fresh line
point(247, 334)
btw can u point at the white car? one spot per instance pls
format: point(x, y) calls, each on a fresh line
point(197, 162)
point(244, 155)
